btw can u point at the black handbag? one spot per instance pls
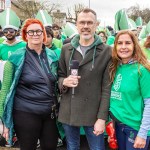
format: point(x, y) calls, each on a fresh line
point(55, 107)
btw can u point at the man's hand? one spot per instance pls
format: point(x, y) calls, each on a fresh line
point(71, 81)
point(139, 142)
point(6, 133)
point(99, 127)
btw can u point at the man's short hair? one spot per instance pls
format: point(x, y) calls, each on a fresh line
point(88, 10)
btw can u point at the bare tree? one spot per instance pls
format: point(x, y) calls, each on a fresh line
point(77, 9)
point(50, 6)
point(25, 9)
point(73, 12)
point(135, 12)
point(29, 8)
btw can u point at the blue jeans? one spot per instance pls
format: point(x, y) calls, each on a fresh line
point(126, 136)
point(73, 138)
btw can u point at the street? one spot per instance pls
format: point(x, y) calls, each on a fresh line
point(84, 145)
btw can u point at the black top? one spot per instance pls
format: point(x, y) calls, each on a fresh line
point(32, 93)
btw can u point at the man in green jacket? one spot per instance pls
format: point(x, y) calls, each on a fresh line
point(10, 24)
point(49, 43)
point(89, 106)
point(11, 44)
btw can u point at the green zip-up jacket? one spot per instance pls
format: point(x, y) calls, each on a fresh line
point(56, 50)
point(17, 61)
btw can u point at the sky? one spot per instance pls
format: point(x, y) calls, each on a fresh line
point(106, 9)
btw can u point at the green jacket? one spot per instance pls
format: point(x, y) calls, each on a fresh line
point(92, 95)
point(6, 50)
point(56, 50)
point(17, 60)
point(58, 43)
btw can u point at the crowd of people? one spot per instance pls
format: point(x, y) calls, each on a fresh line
point(55, 82)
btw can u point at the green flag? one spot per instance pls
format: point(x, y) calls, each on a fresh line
point(70, 30)
point(44, 17)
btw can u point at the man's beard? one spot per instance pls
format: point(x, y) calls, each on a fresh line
point(86, 37)
point(11, 38)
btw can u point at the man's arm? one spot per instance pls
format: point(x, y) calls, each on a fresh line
point(105, 97)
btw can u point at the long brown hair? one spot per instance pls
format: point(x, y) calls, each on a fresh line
point(138, 55)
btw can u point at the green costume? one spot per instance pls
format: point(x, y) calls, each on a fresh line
point(9, 19)
point(5, 80)
point(6, 50)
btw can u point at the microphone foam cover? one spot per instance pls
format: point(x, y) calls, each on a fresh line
point(74, 64)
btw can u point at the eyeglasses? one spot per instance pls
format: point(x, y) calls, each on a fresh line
point(31, 32)
point(5, 31)
point(89, 23)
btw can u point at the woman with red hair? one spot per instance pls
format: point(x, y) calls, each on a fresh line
point(29, 105)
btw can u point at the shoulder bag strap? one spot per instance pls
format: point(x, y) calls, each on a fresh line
point(42, 72)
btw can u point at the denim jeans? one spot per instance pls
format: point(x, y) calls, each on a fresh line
point(73, 138)
point(126, 136)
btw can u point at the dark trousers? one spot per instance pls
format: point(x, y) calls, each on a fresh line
point(31, 127)
point(73, 138)
point(126, 136)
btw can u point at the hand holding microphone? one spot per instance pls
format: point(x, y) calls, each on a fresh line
point(73, 79)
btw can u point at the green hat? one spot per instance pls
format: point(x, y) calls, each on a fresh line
point(70, 30)
point(44, 17)
point(121, 20)
point(100, 28)
point(132, 24)
point(139, 22)
point(9, 19)
point(143, 33)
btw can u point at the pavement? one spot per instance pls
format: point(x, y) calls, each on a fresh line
point(84, 145)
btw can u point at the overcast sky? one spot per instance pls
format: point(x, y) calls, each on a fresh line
point(106, 9)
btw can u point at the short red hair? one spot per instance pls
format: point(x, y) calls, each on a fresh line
point(29, 22)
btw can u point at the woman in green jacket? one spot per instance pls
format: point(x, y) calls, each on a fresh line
point(28, 108)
